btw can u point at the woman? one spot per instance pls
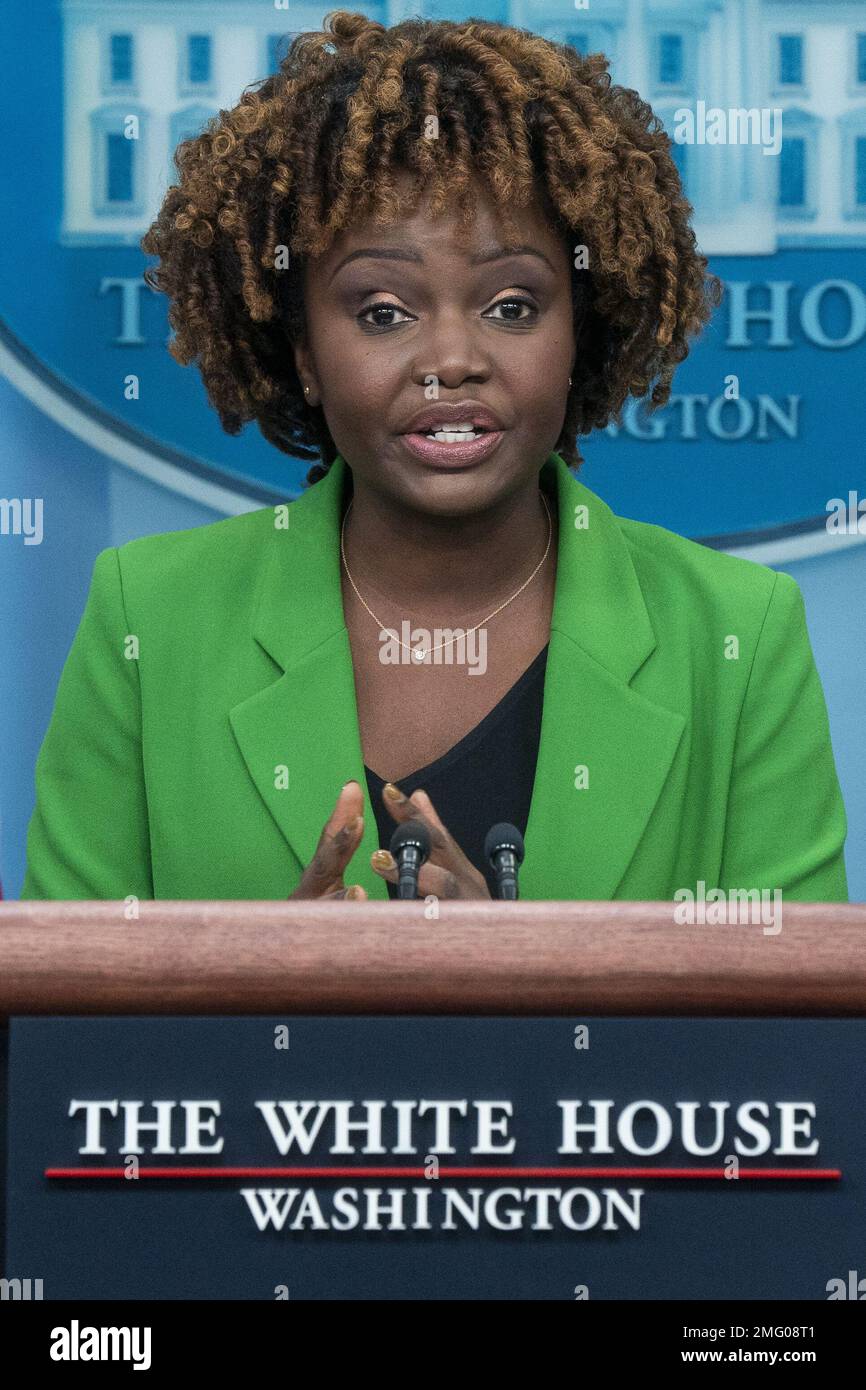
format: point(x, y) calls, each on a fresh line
point(429, 257)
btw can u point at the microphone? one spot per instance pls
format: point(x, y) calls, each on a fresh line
point(410, 846)
point(503, 849)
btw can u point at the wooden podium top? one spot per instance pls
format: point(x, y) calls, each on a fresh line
point(244, 957)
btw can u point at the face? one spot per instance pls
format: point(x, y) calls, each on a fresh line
point(400, 319)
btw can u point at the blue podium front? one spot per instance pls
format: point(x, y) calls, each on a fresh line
point(315, 1158)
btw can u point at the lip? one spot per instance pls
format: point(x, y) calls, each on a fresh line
point(445, 414)
point(452, 455)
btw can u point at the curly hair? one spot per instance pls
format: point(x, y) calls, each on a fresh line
point(314, 148)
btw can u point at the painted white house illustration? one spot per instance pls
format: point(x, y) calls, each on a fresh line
point(141, 76)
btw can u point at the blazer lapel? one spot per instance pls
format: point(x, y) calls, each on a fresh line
point(306, 721)
point(605, 750)
point(579, 841)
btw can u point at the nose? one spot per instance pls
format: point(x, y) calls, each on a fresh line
point(451, 350)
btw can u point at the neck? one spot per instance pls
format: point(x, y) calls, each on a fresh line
point(453, 568)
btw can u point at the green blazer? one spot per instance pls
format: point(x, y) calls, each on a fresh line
point(205, 719)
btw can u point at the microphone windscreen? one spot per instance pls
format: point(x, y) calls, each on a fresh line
point(411, 832)
point(503, 836)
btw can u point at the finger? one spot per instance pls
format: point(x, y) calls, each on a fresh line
point(444, 849)
point(405, 808)
point(335, 834)
point(349, 803)
point(423, 802)
point(354, 893)
point(433, 879)
point(333, 852)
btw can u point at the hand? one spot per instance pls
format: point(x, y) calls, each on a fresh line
point(447, 873)
point(341, 836)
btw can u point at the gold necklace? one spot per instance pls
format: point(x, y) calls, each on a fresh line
point(421, 652)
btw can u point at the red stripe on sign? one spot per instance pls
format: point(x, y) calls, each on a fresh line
point(678, 1174)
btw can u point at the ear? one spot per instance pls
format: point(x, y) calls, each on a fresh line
point(306, 370)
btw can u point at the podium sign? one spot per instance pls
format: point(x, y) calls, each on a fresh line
point(356, 1157)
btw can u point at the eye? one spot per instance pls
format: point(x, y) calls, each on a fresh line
point(515, 300)
point(380, 308)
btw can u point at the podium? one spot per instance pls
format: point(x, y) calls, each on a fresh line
point(518, 958)
point(217, 1100)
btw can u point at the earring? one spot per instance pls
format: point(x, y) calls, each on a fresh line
point(306, 390)
point(569, 381)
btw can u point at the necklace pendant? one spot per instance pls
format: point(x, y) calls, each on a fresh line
point(419, 652)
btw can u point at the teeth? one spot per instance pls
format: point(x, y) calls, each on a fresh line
point(453, 436)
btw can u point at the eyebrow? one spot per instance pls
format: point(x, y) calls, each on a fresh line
point(400, 253)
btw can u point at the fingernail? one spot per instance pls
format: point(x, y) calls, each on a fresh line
point(353, 892)
point(393, 793)
point(382, 859)
point(351, 783)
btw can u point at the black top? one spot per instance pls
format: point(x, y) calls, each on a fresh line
point(485, 778)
